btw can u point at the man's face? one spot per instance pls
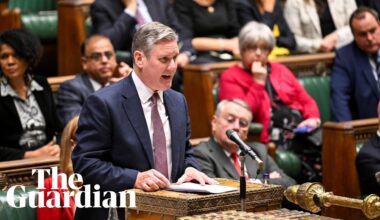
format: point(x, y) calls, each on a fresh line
point(99, 60)
point(234, 117)
point(366, 33)
point(157, 68)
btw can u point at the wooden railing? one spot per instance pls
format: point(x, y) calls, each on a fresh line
point(19, 172)
point(199, 81)
point(56, 81)
point(340, 142)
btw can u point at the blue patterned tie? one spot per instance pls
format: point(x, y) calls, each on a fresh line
point(159, 140)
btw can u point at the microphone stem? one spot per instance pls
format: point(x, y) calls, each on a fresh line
point(242, 181)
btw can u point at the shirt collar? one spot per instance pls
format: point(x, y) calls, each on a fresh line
point(6, 88)
point(144, 92)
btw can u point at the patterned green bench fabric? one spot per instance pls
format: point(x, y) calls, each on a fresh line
point(8, 212)
point(39, 16)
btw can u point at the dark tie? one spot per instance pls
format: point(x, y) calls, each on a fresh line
point(235, 158)
point(159, 141)
point(377, 60)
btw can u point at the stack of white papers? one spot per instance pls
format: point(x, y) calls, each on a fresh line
point(198, 188)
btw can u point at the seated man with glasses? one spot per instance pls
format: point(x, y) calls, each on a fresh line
point(218, 157)
point(99, 70)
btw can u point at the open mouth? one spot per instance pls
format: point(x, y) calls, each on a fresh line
point(166, 77)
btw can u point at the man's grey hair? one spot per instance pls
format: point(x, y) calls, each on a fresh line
point(150, 34)
point(220, 106)
point(254, 32)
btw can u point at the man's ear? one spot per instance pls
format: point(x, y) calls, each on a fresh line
point(84, 63)
point(139, 58)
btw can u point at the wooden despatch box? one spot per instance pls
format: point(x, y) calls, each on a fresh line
point(168, 203)
point(279, 214)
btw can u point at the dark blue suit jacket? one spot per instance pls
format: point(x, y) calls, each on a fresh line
point(109, 19)
point(354, 92)
point(114, 142)
point(367, 165)
point(71, 97)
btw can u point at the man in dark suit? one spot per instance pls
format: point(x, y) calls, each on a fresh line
point(119, 19)
point(124, 127)
point(368, 164)
point(99, 67)
point(355, 73)
point(218, 155)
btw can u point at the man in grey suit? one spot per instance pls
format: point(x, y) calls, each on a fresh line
point(99, 66)
point(218, 155)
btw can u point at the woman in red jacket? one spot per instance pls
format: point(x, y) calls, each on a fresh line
point(276, 98)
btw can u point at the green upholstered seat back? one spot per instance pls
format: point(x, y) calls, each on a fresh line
point(33, 6)
point(319, 88)
point(8, 212)
point(38, 16)
point(288, 162)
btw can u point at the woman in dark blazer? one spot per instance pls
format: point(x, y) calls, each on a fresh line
point(27, 110)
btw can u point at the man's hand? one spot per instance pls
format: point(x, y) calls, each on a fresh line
point(259, 73)
point(274, 175)
point(182, 59)
point(193, 174)
point(151, 180)
point(130, 5)
point(328, 43)
point(50, 149)
point(310, 122)
point(123, 70)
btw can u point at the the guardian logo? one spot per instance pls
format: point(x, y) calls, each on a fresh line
point(55, 200)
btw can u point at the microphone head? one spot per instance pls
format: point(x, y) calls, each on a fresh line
point(230, 133)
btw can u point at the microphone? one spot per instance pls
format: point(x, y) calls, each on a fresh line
point(233, 136)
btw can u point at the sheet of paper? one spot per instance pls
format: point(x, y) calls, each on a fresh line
point(198, 188)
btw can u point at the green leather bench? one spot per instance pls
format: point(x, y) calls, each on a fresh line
point(39, 16)
point(9, 212)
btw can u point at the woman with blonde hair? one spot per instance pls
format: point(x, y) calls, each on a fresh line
point(68, 142)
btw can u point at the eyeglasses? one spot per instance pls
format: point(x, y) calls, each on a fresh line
point(254, 48)
point(98, 55)
point(231, 120)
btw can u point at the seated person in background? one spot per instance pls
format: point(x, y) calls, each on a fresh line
point(119, 19)
point(213, 27)
point(218, 157)
point(270, 13)
point(267, 87)
point(355, 75)
point(68, 142)
point(278, 101)
point(99, 66)
point(368, 164)
point(319, 25)
point(374, 4)
point(27, 110)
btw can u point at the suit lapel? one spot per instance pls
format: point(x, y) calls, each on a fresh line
point(174, 126)
point(87, 86)
point(220, 155)
point(153, 9)
point(368, 74)
point(135, 114)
